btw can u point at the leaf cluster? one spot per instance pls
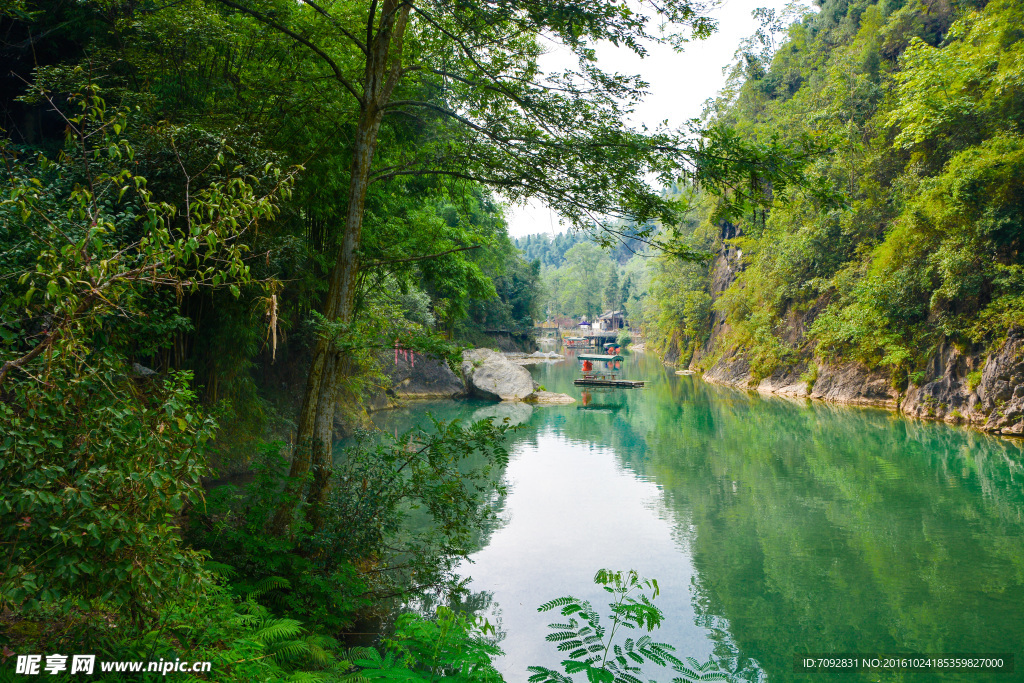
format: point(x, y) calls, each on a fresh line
point(592, 647)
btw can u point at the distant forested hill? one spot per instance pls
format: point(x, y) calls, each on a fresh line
point(550, 251)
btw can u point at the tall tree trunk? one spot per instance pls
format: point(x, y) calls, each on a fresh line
point(314, 440)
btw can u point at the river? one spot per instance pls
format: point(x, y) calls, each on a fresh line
point(774, 527)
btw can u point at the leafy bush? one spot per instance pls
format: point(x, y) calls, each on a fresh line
point(810, 376)
point(98, 464)
point(323, 591)
point(593, 649)
point(450, 646)
point(973, 379)
point(94, 469)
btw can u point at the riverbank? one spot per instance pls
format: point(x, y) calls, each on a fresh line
point(985, 391)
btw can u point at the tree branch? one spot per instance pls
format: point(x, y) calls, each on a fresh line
point(420, 258)
point(299, 39)
point(338, 26)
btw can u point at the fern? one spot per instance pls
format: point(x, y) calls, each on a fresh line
point(225, 570)
point(266, 585)
point(320, 650)
point(275, 630)
point(308, 677)
point(544, 675)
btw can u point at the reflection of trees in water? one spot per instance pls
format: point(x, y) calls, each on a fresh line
point(828, 529)
point(816, 527)
point(478, 603)
point(371, 631)
point(418, 521)
point(726, 653)
point(417, 414)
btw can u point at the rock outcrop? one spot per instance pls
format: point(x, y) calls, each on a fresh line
point(947, 392)
point(844, 383)
point(853, 383)
point(423, 377)
point(1001, 390)
point(488, 374)
point(987, 391)
point(958, 386)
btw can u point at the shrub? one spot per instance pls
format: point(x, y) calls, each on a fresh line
point(974, 379)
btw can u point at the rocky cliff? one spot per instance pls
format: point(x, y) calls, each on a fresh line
point(984, 388)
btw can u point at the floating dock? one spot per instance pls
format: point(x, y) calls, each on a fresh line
point(594, 382)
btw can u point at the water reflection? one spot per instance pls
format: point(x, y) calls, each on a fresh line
point(774, 527)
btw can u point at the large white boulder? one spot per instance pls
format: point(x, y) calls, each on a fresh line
point(490, 375)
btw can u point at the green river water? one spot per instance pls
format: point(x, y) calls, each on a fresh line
point(774, 527)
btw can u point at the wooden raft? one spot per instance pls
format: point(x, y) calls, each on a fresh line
point(593, 382)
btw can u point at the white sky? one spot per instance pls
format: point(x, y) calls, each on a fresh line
point(680, 83)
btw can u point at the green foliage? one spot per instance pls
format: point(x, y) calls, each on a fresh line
point(593, 649)
point(514, 301)
point(676, 318)
point(578, 287)
point(810, 376)
point(83, 524)
point(87, 525)
point(323, 591)
point(384, 321)
point(550, 251)
point(368, 550)
point(242, 641)
point(973, 379)
point(669, 297)
point(88, 237)
point(623, 338)
point(450, 646)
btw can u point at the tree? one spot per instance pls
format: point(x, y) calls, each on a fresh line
point(611, 290)
point(583, 279)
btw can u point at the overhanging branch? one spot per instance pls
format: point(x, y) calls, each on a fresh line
point(420, 258)
point(338, 75)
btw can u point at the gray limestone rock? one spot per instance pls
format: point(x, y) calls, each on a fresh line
point(999, 390)
point(423, 377)
point(490, 375)
point(853, 383)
